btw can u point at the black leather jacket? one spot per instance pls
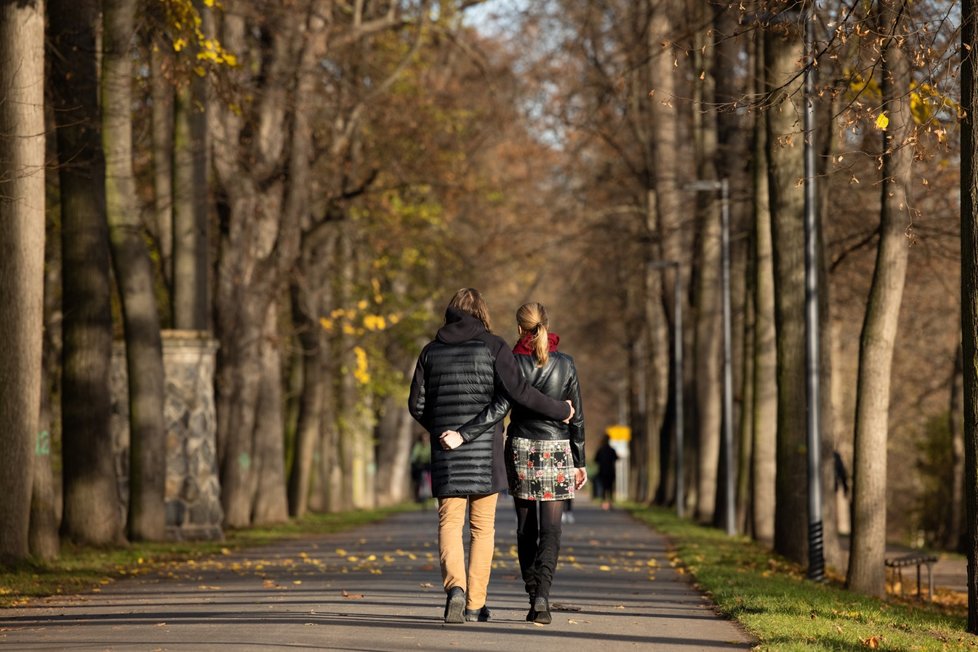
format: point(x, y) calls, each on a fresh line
point(457, 375)
point(557, 379)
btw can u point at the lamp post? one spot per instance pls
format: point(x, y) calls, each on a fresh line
point(724, 187)
point(677, 365)
point(816, 560)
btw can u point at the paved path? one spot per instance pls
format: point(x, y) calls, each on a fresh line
point(378, 588)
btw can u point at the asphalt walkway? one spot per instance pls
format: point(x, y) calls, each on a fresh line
point(378, 588)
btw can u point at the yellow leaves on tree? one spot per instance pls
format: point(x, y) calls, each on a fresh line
point(186, 25)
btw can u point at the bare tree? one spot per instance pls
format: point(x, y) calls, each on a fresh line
point(134, 278)
point(21, 262)
point(91, 496)
point(868, 544)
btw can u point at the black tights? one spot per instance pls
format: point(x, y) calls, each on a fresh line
point(538, 539)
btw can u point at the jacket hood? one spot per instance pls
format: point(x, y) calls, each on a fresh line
point(459, 327)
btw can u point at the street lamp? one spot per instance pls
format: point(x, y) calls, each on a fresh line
point(677, 363)
point(712, 185)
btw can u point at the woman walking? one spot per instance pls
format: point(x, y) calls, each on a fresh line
point(456, 377)
point(544, 457)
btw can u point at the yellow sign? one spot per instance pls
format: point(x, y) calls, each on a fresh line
point(619, 432)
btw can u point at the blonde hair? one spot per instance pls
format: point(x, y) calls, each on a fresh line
point(532, 318)
point(470, 301)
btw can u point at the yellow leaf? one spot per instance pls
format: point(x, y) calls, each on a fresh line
point(882, 121)
point(604, 568)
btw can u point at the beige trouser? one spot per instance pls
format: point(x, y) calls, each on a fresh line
point(451, 551)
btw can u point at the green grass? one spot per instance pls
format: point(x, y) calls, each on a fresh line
point(85, 569)
point(772, 600)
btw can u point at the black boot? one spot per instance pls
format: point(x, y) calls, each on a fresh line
point(532, 613)
point(478, 615)
point(455, 605)
point(541, 606)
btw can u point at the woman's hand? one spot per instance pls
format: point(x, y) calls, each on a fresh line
point(580, 478)
point(450, 439)
point(571, 415)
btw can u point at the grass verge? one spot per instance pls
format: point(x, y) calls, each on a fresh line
point(773, 601)
point(86, 569)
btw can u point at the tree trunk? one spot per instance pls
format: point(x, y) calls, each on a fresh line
point(91, 495)
point(868, 544)
point(782, 52)
point(271, 504)
point(189, 169)
point(707, 313)
point(765, 391)
point(394, 450)
point(969, 294)
point(162, 119)
point(664, 120)
point(955, 526)
point(746, 440)
point(21, 263)
point(134, 277)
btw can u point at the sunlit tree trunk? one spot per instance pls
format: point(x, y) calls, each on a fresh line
point(21, 263)
point(270, 500)
point(706, 312)
point(134, 278)
point(969, 294)
point(91, 495)
point(765, 390)
point(868, 543)
point(782, 53)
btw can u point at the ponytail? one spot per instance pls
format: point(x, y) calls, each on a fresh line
point(532, 318)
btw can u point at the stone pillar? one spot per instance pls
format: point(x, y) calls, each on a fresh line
point(193, 491)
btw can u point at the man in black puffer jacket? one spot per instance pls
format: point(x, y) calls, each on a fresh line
point(457, 375)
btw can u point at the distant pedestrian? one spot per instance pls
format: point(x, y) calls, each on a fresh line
point(456, 377)
point(606, 459)
point(421, 468)
point(544, 457)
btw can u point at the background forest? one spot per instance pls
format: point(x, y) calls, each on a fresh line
point(305, 184)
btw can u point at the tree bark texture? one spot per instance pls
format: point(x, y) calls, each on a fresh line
point(764, 414)
point(271, 503)
point(134, 278)
point(868, 543)
point(969, 294)
point(21, 263)
point(262, 216)
point(782, 52)
point(707, 312)
point(161, 90)
point(91, 494)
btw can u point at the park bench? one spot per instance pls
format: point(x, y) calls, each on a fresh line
point(917, 559)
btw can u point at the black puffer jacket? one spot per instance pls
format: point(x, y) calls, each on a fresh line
point(456, 377)
point(557, 379)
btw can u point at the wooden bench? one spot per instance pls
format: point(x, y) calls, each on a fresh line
point(914, 559)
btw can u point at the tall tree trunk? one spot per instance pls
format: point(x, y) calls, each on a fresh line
point(91, 495)
point(782, 52)
point(189, 206)
point(746, 441)
point(394, 431)
point(868, 543)
point(664, 120)
point(134, 277)
point(161, 91)
point(707, 313)
point(270, 500)
point(21, 262)
point(969, 294)
point(765, 391)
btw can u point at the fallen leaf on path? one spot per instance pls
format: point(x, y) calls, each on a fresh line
point(351, 596)
point(427, 585)
point(871, 642)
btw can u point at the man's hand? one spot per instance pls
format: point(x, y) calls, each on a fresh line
point(580, 478)
point(571, 415)
point(450, 439)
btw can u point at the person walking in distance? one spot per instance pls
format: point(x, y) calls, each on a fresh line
point(544, 456)
point(606, 458)
point(455, 378)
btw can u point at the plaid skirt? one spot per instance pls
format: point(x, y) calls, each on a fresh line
point(540, 470)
